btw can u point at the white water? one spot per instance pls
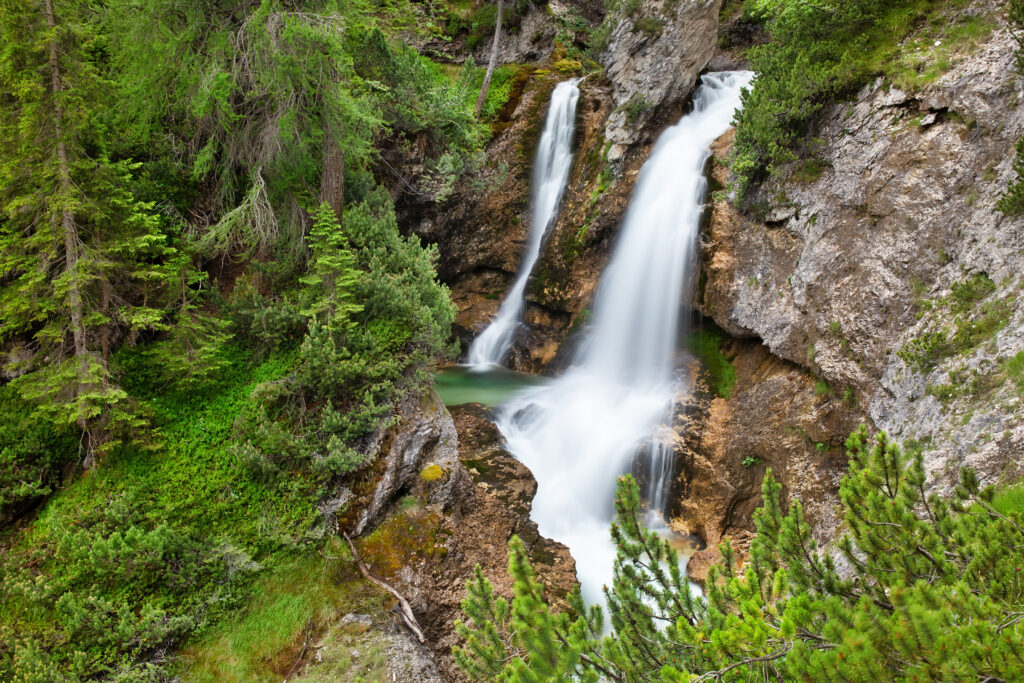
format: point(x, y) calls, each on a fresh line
point(579, 433)
point(550, 173)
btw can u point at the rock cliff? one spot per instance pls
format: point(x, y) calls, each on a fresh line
point(447, 497)
point(879, 270)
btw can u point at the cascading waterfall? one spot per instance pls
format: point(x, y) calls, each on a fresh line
point(550, 173)
point(579, 433)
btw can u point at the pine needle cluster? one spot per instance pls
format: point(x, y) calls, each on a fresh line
point(920, 588)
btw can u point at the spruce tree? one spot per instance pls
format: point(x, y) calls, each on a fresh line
point(81, 261)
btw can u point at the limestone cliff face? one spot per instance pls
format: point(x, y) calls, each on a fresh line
point(652, 59)
point(841, 273)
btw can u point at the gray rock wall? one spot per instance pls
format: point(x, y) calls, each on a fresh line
point(846, 269)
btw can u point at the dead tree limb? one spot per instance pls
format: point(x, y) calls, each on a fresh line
point(406, 610)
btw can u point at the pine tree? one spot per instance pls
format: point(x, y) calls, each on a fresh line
point(934, 591)
point(80, 258)
point(331, 274)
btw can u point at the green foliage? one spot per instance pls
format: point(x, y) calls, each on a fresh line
point(933, 592)
point(83, 263)
point(818, 52)
point(151, 546)
point(978, 314)
point(227, 344)
point(1010, 501)
point(376, 316)
point(706, 344)
point(31, 454)
point(1012, 201)
point(331, 275)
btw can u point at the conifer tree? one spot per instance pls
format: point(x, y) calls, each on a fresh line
point(934, 590)
point(81, 261)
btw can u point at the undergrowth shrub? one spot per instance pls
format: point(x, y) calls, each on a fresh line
point(930, 589)
point(376, 316)
point(818, 52)
point(32, 453)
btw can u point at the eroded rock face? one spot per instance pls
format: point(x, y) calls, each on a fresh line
point(481, 235)
point(425, 437)
point(773, 418)
point(653, 58)
point(849, 261)
point(464, 498)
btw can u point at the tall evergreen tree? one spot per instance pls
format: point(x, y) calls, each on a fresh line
point(81, 261)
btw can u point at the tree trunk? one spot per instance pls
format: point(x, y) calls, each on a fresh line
point(491, 64)
point(71, 239)
point(332, 177)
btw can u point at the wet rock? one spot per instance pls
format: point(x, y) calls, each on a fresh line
point(773, 418)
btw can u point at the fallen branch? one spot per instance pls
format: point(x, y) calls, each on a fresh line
point(406, 611)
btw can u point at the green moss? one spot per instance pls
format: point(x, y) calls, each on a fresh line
point(292, 605)
point(978, 316)
point(809, 170)
point(1010, 499)
point(651, 27)
point(1013, 370)
point(568, 66)
point(478, 464)
point(706, 345)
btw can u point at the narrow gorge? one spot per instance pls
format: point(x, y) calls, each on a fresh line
point(518, 340)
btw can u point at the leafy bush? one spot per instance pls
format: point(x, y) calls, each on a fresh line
point(376, 315)
point(117, 587)
point(818, 51)
point(932, 591)
point(978, 316)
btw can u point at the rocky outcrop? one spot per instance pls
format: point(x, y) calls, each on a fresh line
point(850, 257)
point(453, 499)
point(654, 55)
point(775, 417)
point(425, 437)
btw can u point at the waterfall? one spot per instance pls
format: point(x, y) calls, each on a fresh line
point(550, 173)
point(579, 433)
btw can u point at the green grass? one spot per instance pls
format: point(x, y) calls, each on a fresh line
point(1013, 369)
point(1010, 499)
point(291, 608)
point(194, 485)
